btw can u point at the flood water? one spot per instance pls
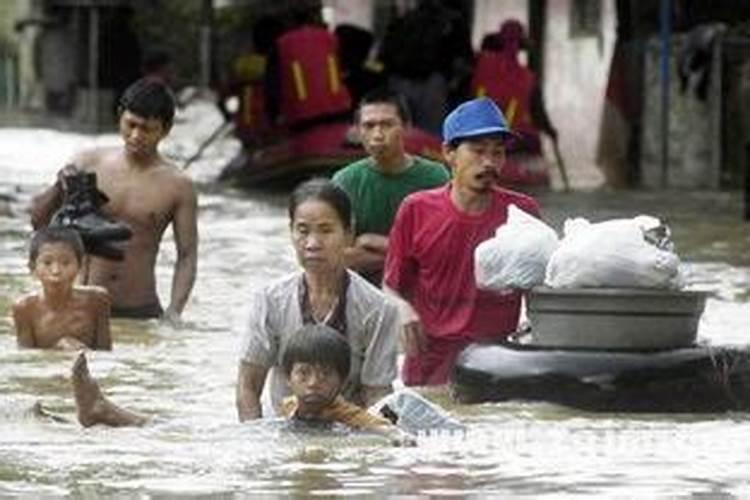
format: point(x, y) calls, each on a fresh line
point(185, 377)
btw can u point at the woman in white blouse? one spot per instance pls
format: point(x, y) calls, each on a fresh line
point(323, 292)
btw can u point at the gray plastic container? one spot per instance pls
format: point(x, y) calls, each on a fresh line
point(614, 318)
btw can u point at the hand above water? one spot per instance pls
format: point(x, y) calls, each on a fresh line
point(68, 170)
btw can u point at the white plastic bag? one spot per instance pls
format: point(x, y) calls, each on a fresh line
point(613, 253)
point(516, 257)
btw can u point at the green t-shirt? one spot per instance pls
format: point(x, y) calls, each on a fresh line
point(376, 196)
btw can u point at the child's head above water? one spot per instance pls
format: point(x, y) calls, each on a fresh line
point(61, 236)
point(318, 345)
point(316, 362)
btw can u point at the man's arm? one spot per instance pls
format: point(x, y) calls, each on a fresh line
point(185, 227)
point(412, 336)
point(368, 253)
point(48, 201)
point(44, 205)
point(250, 380)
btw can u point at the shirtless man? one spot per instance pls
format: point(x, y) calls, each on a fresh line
point(61, 315)
point(148, 194)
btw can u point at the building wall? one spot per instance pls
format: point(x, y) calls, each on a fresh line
point(489, 14)
point(29, 86)
point(356, 12)
point(575, 79)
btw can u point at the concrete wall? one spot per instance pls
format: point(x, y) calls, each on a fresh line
point(693, 129)
point(29, 86)
point(356, 12)
point(575, 73)
point(488, 14)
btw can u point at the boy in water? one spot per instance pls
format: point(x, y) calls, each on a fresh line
point(61, 315)
point(316, 360)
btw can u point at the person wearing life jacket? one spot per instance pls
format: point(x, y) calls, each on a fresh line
point(499, 75)
point(309, 72)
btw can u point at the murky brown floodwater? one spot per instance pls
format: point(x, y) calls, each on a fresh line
point(186, 376)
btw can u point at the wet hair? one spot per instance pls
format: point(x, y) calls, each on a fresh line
point(384, 95)
point(149, 98)
point(320, 189)
point(317, 345)
point(48, 235)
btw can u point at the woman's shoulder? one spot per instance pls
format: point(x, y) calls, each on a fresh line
point(366, 295)
point(281, 285)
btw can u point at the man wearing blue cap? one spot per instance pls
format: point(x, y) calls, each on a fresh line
point(430, 261)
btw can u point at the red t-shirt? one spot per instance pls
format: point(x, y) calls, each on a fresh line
point(430, 262)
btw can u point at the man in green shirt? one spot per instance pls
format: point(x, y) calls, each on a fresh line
point(377, 184)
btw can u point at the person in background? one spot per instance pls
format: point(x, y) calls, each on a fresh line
point(323, 292)
point(499, 75)
point(378, 183)
point(61, 315)
point(425, 53)
point(360, 75)
point(147, 193)
point(309, 88)
point(429, 267)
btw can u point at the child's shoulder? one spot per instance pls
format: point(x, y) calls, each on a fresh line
point(26, 302)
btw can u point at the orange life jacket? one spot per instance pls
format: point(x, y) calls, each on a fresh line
point(311, 84)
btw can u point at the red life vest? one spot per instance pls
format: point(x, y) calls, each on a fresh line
point(311, 84)
point(499, 76)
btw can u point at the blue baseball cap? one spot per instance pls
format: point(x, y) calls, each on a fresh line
point(473, 118)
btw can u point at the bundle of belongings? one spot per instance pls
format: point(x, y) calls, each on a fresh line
point(80, 211)
point(622, 253)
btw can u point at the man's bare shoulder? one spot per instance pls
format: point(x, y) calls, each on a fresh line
point(93, 158)
point(176, 177)
point(179, 181)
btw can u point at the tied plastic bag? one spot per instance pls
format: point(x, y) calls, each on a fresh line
point(516, 257)
point(629, 253)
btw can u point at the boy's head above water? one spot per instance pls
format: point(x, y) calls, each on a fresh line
point(60, 237)
point(316, 360)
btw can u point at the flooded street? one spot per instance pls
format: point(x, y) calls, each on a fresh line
point(185, 377)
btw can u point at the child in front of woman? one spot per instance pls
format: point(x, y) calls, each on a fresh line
point(316, 361)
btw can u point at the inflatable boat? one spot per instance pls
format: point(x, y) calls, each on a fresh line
point(696, 379)
point(287, 158)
